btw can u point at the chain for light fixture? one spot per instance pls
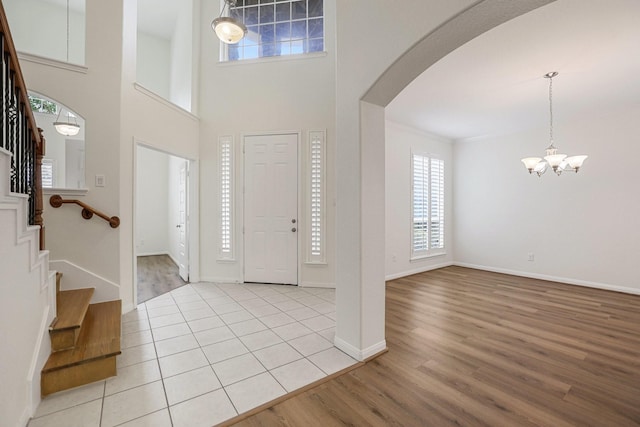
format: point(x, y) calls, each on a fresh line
point(558, 162)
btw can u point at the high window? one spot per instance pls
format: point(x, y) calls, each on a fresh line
point(427, 206)
point(277, 28)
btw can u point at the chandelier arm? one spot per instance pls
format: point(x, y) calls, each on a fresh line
point(551, 109)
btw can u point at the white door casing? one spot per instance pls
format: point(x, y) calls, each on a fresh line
point(271, 209)
point(183, 255)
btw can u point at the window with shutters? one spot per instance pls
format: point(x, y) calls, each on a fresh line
point(277, 28)
point(47, 171)
point(427, 206)
point(226, 197)
point(316, 203)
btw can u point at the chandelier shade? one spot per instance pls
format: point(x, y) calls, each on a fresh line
point(558, 162)
point(67, 128)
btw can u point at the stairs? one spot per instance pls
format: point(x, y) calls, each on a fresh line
point(85, 340)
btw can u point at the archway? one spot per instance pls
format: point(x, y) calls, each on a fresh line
point(361, 334)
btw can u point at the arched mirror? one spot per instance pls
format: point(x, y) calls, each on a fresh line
point(64, 130)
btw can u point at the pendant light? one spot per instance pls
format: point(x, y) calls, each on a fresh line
point(558, 162)
point(228, 30)
point(67, 128)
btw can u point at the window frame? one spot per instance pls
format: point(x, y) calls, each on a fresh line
point(429, 251)
point(305, 42)
point(316, 198)
point(226, 199)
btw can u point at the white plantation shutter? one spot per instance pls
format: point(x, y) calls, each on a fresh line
point(316, 207)
point(47, 173)
point(226, 195)
point(427, 205)
point(436, 201)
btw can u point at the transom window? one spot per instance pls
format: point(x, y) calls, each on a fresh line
point(277, 28)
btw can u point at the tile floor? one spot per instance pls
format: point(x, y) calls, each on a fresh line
point(203, 354)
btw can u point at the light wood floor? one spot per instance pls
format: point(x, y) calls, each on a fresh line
point(157, 275)
point(474, 348)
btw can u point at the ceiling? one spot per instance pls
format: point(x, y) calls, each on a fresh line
point(494, 84)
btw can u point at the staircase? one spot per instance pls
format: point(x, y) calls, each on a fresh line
point(85, 340)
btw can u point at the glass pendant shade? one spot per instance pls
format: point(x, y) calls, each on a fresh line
point(575, 162)
point(554, 160)
point(67, 129)
point(531, 162)
point(228, 29)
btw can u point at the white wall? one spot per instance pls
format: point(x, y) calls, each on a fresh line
point(152, 202)
point(154, 64)
point(182, 57)
point(400, 142)
point(40, 28)
point(582, 228)
point(281, 94)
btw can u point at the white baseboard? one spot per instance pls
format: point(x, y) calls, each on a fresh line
point(153, 254)
point(41, 353)
point(213, 279)
point(417, 270)
point(357, 353)
point(76, 277)
point(567, 280)
point(306, 284)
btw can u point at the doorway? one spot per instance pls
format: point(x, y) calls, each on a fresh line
point(271, 208)
point(162, 226)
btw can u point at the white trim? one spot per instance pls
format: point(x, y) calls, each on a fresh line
point(226, 260)
point(417, 270)
point(66, 191)
point(564, 280)
point(77, 277)
point(358, 354)
point(264, 59)
point(50, 62)
point(419, 258)
point(213, 279)
point(41, 353)
point(307, 284)
point(143, 90)
point(156, 254)
point(316, 263)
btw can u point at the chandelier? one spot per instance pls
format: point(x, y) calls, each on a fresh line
point(227, 29)
point(66, 128)
point(558, 162)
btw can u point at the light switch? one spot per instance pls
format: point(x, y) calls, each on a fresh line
point(100, 181)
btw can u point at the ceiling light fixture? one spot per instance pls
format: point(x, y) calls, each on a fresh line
point(228, 29)
point(67, 128)
point(558, 162)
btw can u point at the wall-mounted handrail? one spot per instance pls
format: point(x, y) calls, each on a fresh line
point(87, 211)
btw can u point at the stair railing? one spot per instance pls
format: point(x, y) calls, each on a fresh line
point(19, 133)
point(87, 211)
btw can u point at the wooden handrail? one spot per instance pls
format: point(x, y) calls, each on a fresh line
point(87, 211)
point(20, 133)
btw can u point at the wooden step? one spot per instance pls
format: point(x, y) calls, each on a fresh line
point(72, 307)
point(94, 356)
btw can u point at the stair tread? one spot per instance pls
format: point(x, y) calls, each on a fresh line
point(99, 337)
point(72, 306)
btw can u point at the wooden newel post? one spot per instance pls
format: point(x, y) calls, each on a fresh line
point(38, 220)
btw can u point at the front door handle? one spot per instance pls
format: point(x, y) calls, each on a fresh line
point(294, 230)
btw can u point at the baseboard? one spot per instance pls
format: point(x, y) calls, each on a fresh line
point(306, 284)
point(213, 279)
point(76, 277)
point(153, 254)
point(550, 278)
point(417, 270)
point(357, 353)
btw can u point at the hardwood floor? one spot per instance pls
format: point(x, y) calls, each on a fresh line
point(474, 348)
point(157, 275)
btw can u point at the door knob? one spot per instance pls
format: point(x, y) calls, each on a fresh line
point(178, 226)
point(293, 221)
point(294, 229)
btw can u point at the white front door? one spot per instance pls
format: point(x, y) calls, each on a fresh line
point(183, 256)
point(271, 209)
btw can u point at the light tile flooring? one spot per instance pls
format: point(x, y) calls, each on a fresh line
point(203, 354)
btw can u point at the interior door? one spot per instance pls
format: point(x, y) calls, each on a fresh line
point(183, 256)
point(271, 209)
